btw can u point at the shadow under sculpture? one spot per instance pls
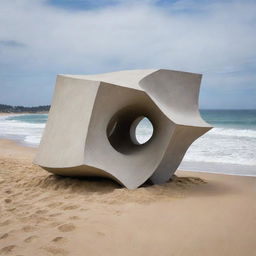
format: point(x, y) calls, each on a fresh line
point(91, 125)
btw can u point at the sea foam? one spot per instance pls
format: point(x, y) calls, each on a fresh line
point(24, 132)
point(220, 146)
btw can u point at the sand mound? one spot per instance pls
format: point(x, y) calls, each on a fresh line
point(22, 174)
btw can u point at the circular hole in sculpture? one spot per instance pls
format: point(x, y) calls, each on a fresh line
point(141, 130)
point(129, 129)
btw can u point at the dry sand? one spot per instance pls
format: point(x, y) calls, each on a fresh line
point(196, 214)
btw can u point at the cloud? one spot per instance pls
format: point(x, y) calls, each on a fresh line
point(214, 38)
point(11, 43)
point(79, 5)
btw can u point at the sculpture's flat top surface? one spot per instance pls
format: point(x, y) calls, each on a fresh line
point(127, 78)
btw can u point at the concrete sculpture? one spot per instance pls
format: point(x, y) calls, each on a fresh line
point(91, 125)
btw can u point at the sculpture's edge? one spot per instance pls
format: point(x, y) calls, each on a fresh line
point(59, 131)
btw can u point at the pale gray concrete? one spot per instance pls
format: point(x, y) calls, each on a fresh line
point(92, 120)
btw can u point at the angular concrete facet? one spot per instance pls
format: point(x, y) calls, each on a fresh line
point(91, 125)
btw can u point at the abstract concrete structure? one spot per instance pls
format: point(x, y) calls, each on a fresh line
point(91, 126)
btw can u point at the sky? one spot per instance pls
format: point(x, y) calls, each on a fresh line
point(42, 38)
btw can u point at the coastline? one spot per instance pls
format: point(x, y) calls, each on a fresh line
point(16, 134)
point(22, 113)
point(196, 214)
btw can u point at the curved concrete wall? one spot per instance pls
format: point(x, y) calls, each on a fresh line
point(88, 131)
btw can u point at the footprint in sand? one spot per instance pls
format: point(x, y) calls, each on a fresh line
point(55, 214)
point(41, 211)
point(67, 227)
point(4, 236)
point(54, 205)
point(7, 249)
point(8, 200)
point(30, 239)
point(8, 191)
point(55, 250)
point(28, 228)
point(58, 239)
point(70, 207)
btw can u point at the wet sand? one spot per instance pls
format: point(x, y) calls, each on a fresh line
point(195, 214)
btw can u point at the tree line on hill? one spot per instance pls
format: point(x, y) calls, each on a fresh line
point(19, 109)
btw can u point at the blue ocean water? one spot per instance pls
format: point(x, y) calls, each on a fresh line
point(33, 119)
point(230, 147)
point(238, 119)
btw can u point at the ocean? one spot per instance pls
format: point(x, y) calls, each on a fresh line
point(230, 147)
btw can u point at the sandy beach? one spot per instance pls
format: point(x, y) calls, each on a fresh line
point(195, 214)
